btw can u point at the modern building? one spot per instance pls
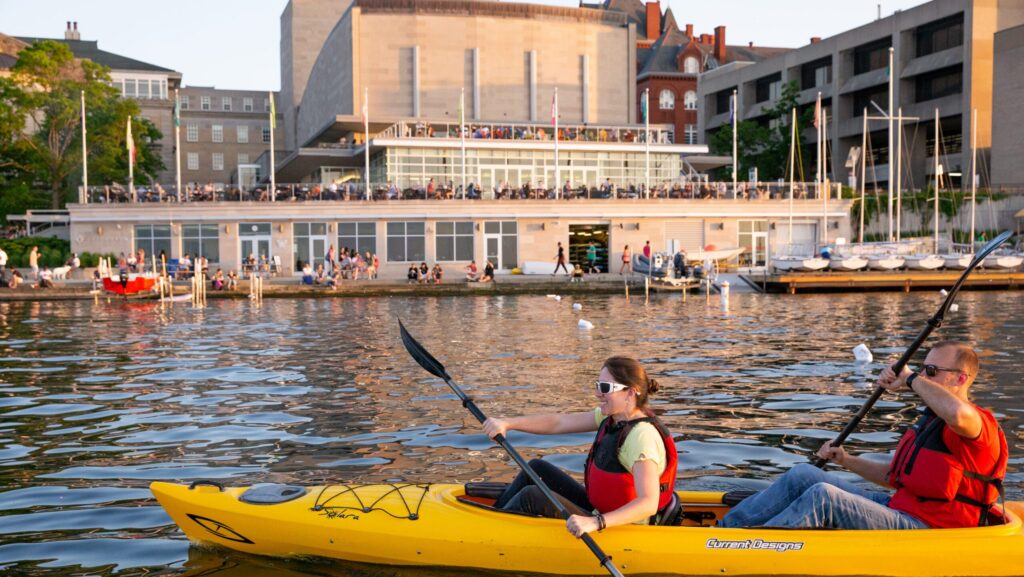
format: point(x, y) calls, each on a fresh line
point(1008, 109)
point(943, 54)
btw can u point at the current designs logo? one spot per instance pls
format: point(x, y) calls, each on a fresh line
point(755, 545)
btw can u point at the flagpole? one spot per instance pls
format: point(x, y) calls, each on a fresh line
point(647, 141)
point(131, 161)
point(84, 196)
point(177, 142)
point(899, 172)
point(558, 169)
point(735, 160)
point(974, 171)
point(462, 136)
point(824, 164)
point(817, 126)
point(273, 164)
point(888, 113)
point(863, 172)
point(792, 171)
point(366, 139)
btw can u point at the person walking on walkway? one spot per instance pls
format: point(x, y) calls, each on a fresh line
point(592, 259)
point(947, 470)
point(560, 258)
point(627, 260)
point(33, 262)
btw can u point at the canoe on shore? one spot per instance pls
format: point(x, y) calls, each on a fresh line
point(440, 525)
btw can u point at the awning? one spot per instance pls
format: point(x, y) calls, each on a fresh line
point(1019, 214)
point(704, 163)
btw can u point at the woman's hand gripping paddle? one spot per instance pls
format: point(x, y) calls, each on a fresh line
point(434, 367)
point(933, 323)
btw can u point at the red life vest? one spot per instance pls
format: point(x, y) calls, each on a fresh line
point(934, 486)
point(609, 485)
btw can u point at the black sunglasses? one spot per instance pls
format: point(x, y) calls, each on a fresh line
point(932, 370)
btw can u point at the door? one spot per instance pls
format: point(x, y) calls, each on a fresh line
point(753, 236)
point(310, 243)
point(493, 244)
point(257, 247)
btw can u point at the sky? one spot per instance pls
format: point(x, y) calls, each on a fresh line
point(235, 44)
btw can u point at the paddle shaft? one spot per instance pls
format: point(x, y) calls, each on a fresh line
point(933, 323)
point(467, 402)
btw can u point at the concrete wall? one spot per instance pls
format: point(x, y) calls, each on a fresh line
point(376, 50)
point(1008, 107)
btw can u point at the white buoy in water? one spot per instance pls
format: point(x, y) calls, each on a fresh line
point(943, 292)
point(954, 307)
point(552, 296)
point(862, 353)
point(585, 325)
point(723, 293)
point(577, 307)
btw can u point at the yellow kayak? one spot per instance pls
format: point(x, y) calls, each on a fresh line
point(440, 525)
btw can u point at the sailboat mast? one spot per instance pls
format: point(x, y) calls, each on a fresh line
point(974, 170)
point(792, 171)
point(899, 173)
point(938, 180)
point(863, 172)
point(888, 114)
point(824, 173)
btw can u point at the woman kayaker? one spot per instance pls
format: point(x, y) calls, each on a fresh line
point(630, 472)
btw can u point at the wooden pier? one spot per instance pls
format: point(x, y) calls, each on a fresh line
point(906, 281)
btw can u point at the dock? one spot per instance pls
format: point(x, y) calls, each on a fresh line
point(905, 281)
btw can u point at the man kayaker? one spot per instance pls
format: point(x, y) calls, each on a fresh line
point(947, 470)
point(630, 473)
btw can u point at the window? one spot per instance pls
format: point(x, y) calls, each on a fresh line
point(266, 134)
point(406, 242)
point(243, 134)
point(218, 161)
point(201, 240)
point(690, 65)
point(266, 105)
point(192, 132)
point(243, 158)
point(144, 88)
point(944, 82)
point(153, 238)
point(666, 100)
point(225, 103)
point(204, 102)
point(454, 241)
point(863, 99)
point(310, 243)
point(769, 87)
point(247, 104)
point(940, 35)
point(723, 101)
point(871, 56)
point(218, 133)
point(817, 73)
point(193, 161)
point(690, 100)
point(509, 257)
point(358, 236)
point(184, 101)
point(691, 134)
point(129, 87)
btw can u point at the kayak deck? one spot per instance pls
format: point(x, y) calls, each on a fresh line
point(439, 525)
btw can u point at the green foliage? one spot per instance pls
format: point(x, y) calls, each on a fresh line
point(90, 260)
point(762, 146)
point(40, 124)
point(18, 197)
point(53, 252)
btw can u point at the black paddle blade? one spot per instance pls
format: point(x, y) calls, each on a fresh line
point(421, 356)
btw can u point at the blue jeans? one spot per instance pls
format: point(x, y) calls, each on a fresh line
point(807, 497)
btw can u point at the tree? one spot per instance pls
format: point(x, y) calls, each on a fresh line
point(765, 146)
point(40, 120)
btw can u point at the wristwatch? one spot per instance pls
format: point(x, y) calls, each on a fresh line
point(910, 380)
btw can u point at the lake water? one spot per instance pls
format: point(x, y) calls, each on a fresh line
point(98, 400)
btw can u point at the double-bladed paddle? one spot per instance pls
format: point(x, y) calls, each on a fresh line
point(434, 367)
point(933, 323)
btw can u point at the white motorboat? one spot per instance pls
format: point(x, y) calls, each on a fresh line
point(1003, 261)
point(885, 262)
point(717, 254)
point(924, 262)
point(799, 263)
point(958, 261)
point(847, 263)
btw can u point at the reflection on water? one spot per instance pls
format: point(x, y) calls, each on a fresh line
point(96, 401)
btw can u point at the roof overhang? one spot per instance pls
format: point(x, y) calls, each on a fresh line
point(704, 163)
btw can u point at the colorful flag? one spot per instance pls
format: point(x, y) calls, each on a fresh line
point(732, 107)
point(130, 142)
point(554, 109)
point(643, 106)
point(273, 112)
point(817, 112)
point(177, 110)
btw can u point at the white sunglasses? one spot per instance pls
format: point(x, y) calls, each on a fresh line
point(608, 387)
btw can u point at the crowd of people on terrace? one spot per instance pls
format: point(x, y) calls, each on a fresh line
point(436, 189)
point(569, 133)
